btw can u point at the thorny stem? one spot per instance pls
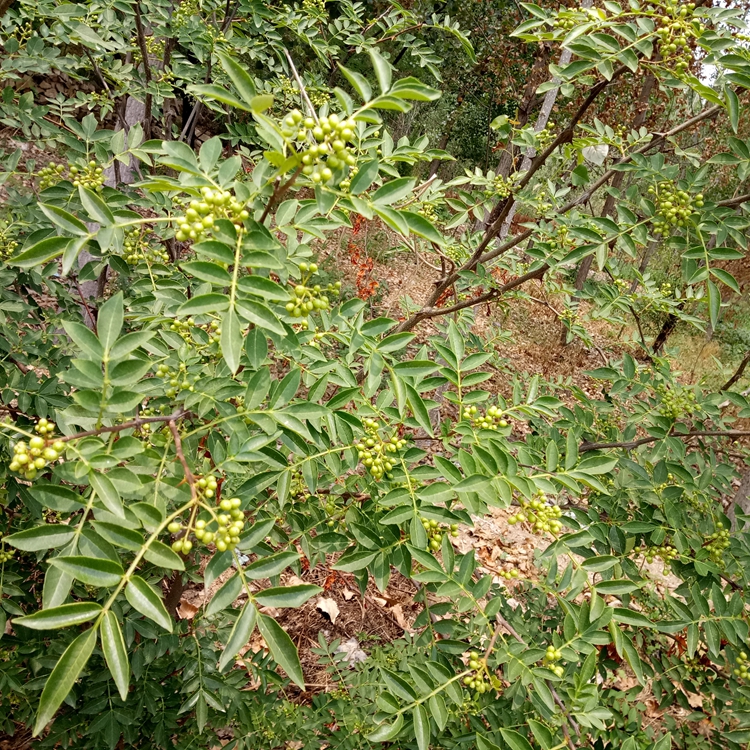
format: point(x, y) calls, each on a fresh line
point(190, 478)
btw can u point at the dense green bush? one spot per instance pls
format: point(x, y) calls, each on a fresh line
point(186, 401)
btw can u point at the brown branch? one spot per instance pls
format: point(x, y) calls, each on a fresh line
point(434, 312)
point(738, 372)
point(278, 193)
point(643, 441)
point(189, 477)
point(137, 422)
point(739, 200)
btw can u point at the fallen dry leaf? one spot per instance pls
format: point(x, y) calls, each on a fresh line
point(329, 607)
point(398, 613)
point(348, 595)
point(186, 610)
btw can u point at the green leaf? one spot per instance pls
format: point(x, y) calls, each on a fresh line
point(418, 408)
point(393, 191)
point(212, 91)
point(438, 711)
point(40, 538)
point(64, 219)
point(204, 303)
point(95, 207)
point(424, 228)
point(120, 536)
point(240, 635)
point(260, 315)
point(109, 321)
point(115, 653)
point(160, 554)
point(386, 732)
point(287, 596)
point(263, 287)
point(515, 740)
point(60, 617)
point(231, 340)
point(107, 493)
point(144, 599)
point(714, 302)
point(40, 252)
point(93, 571)
point(129, 342)
point(282, 649)
point(600, 563)
point(84, 339)
point(726, 278)
point(358, 82)
point(364, 177)
point(630, 617)
point(226, 594)
point(239, 77)
point(269, 566)
point(204, 270)
point(421, 727)
point(63, 676)
point(383, 71)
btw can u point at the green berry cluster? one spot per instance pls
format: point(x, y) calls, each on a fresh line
point(188, 330)
point(6, 554)
point(428, 210)
point(665, 552)
point(323, 146)
point(314, 7)
point(8, 244)
point(373, 450)
point(511, 574)
point(30, 458)
point(137, 249)
point(457, 253)
point(201, 214)
point(565, 23)
point(306, 298)
point(331, 509)
point(551, 656)
point(490, 420)
point(676, 29)
point(546, 135)
point(717, 542)
point(540, 513)
point(479, 682)
point(676, 402)
point(90, 176)
point(741, 670)
point(176, 380)
point(50, 175)
point(224, 530)
point(298, 486)
point(674, 207)
point(435, 532)
point(186, 10)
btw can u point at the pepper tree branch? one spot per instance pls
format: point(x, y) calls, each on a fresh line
point(481, 256)
point(136, 422)
point(643, 441)
point(738, 372)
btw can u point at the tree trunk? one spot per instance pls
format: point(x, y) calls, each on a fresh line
point(741, 500)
